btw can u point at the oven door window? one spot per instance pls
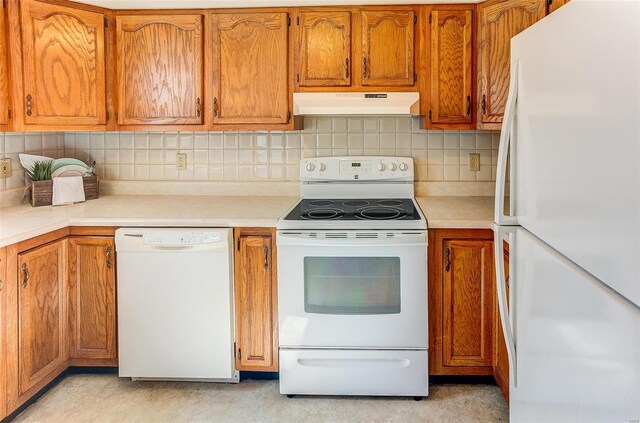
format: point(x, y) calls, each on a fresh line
point(352, 285)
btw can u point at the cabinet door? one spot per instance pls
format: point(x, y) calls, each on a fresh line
point(451, 66)
point(388, 48)
point(468, 299)
point(160, 69)
point(64, 65)
point(250, 75)
point(256, 301)
point(498, 23)
point(4, 69)
point(501, 370)
point(92, 307)
point(325, 49)
point(554, 5)
point(41, 313)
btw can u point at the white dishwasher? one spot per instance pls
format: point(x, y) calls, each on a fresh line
point(175, 304)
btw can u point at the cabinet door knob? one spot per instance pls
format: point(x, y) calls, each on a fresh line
point(108, 257)
point(265, 249)
point(364, 68)
point(25, 279)
point(29, 98)
point(447, 254)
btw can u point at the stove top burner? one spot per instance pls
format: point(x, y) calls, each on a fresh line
point(380, 213)
point(323, 214)
point(354, 209)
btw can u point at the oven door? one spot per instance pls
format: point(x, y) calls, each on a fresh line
point(351, 289)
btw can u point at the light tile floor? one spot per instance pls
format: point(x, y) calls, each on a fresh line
point(106, 398)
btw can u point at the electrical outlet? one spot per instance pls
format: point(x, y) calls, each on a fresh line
point(474, 162)
point(5, 168)
point(181, 161)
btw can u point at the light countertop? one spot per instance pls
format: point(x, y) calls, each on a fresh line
point(23, 222)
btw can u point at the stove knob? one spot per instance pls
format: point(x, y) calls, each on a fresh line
point(310, 166)
point(322, 167)
point(381, 167)
point(393, 167)
point(403, 167)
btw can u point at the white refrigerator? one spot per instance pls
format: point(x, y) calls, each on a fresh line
point(571, 135)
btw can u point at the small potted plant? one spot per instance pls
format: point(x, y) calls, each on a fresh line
point(41, 185)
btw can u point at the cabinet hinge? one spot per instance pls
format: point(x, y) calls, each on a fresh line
point(288, 116)
point(9, 113)
point(430, 115)
point(549, 2)
point(240, 354)
point(238, 245)
point(297, 77)
point(108, 115)
point(415, 76)
point(415, 19)
point(106, 22)
point(430, 18)
point(288, 20)
point(234, 350)
point(298, 20)
point(116, 115)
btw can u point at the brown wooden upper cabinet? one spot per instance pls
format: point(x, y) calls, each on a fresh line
point(256, 300)
point(92, 298)
point(450, 68)
point(554, 5)
point(499, 21)
point(250, 72)
point(4, 70)
point(160, 69)
point(388, 47)
point(63, 56)
point(41, 313)
point(324, 48)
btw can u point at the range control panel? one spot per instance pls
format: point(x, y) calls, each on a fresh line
point(367, 168)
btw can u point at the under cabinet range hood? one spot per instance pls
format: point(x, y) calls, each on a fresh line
point(346, 103)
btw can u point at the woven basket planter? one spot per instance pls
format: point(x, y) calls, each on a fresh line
point(42, 191)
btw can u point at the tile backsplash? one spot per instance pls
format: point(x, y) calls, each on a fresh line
point(50, 144)
point(262, 155)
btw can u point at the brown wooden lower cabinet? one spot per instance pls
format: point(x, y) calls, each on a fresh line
point(42, 308)
point(461, 302)
point(92, 299)
point(256, 302)
point(501, 364)
point(57, 309)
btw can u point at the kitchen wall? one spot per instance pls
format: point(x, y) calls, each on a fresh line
point(260, 155)
point(11, 143)
point(275, 155)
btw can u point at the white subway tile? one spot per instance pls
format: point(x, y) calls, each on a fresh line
point(435, 157)
point(371, 141)
point(341, 140)
point(483, 140)
point(245, 141)
point(388, 141)
point(127, 172)
point(339, 124)
point(466, 174)
point(371, 124)
point(126, 157)
point(355, 140)
point(230, 140)
point(276, 172)
point(156, 157)
point(230, 173)
point(185, 141)
point(200, 157)
point(387, 124)
point(419, 140)
point(293, 140)
point(111, 140)
point(403, 124)
point(33, 143)
point(452, 157)
point(468, 140)
point(155, 172)
point(435, 173)
point(435, 140)
point(141, 157)
point(261, 157)
point(216, 157)
point(200, 140)
point(216, 173)
point(50, 142)
point(169, 172)
point(14, 143)
point(261, 172)
point(230, 157)
point(452, 140)
point(156, 140)
point(324, 140)
point(309, 124)
point(245, 156)
point(323, 125)
point(201, 172)
point(112, 157)
point(126, 140)
point(293, 156)
point(187, 174)
point(141, 172)
point(141, 140)
point(452, 173)
point(356, 124)
point(276, 140)
point(309, 141)
point(245, 173)
point(216, 140)
point(277, 157)
point(403, 141)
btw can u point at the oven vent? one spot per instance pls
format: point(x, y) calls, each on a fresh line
point(332, 235)
point(349, 235)
point(369, 235)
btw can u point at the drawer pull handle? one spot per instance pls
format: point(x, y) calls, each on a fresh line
point(25, 280)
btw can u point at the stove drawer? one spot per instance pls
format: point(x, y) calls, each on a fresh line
point(354, 372)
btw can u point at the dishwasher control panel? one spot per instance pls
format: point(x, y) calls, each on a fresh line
point(180, 238)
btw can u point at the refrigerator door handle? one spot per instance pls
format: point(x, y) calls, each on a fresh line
point(503, 150)
point(503, 307)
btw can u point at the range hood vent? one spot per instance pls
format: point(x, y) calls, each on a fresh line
point(356, 103)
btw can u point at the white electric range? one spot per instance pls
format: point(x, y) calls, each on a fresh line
point(352, 281)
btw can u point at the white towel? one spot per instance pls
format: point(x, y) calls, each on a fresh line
point(67, 190)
